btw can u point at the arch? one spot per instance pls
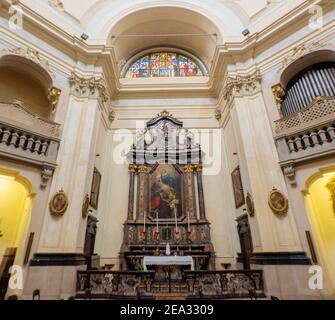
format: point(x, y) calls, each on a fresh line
point(22, 79)
point(305, 61)
point(28, 67)
point(202, 67)
point(321, 216)
point(108, 19)
point(15, 212)
point(306, 79)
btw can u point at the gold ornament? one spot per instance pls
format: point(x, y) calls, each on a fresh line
point(278, 202)
point(59, 203)
point(331, 187)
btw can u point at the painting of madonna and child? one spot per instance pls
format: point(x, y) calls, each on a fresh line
point(165, 193)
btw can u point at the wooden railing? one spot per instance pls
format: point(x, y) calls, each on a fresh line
point(230, 284)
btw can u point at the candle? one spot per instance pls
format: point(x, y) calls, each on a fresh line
point(157, 230)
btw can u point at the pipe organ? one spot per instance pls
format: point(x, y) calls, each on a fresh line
point(316, 81)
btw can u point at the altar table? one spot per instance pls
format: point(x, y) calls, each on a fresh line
point(168, 261)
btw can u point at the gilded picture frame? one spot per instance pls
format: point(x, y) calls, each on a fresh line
point(238, 188)
point(59, 203)
point(95, 190)
point(86, 206)
point(278, 202)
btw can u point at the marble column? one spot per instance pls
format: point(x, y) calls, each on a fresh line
point(188, 177)
point(198, 171)
point(132, 172)
point(142, 200)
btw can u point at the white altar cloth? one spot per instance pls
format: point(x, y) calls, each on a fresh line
point(168, 261)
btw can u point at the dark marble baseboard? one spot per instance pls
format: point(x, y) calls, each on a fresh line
point(58, 259)
point(278, 258)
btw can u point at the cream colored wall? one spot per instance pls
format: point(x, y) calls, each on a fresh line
point(17, 86)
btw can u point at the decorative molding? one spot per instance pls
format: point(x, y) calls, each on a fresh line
point(242, 85)
point(290, 172)
point(57, 259)
point(58, 4)
point(30, 54)
point(278, 258)
point(218, 114)
point(93, 88)
point(46, 175)
point(300, 51)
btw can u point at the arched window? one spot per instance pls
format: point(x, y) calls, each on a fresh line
point(317, 80)
point(165, 64)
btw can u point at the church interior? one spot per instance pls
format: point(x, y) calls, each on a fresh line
point(156, 150)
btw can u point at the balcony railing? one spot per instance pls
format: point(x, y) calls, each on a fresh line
point(232, 284)
point(27, 137)
point(306, 135)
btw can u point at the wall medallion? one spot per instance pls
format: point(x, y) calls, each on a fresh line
point(331, 187)
point(59, 203)
point(86, 206)
point(278, 202)
point(250, 205)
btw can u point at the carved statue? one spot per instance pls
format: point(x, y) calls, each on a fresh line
point(331, 187)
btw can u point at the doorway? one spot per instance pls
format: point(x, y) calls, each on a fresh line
point(16, 201)
point(320, 202)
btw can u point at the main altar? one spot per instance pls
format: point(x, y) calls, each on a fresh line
point(166, 202)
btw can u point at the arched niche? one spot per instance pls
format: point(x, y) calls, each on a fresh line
point(302, 63)
point(187, 29)
point(22, 79)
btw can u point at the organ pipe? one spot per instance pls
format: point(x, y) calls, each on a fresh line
point(307, 86)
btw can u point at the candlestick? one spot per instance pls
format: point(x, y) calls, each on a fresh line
point(157, 229)
point(144, 229)
point(175, 216)
point(188, 222)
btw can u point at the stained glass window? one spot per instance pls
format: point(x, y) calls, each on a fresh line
point(164, 64)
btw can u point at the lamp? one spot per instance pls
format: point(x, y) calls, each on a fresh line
point(246, 32)
point(84, 36)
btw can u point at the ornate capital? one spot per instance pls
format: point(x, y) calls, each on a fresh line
point(198, 167)
point(242, 85)
point(30, 54)
point(143, 169)
point(132, 168)
point(218, 114)
point(188, 169)
point(90, 88)
point(46, 175)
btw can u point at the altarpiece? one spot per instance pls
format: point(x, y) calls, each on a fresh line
point(166, 198)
